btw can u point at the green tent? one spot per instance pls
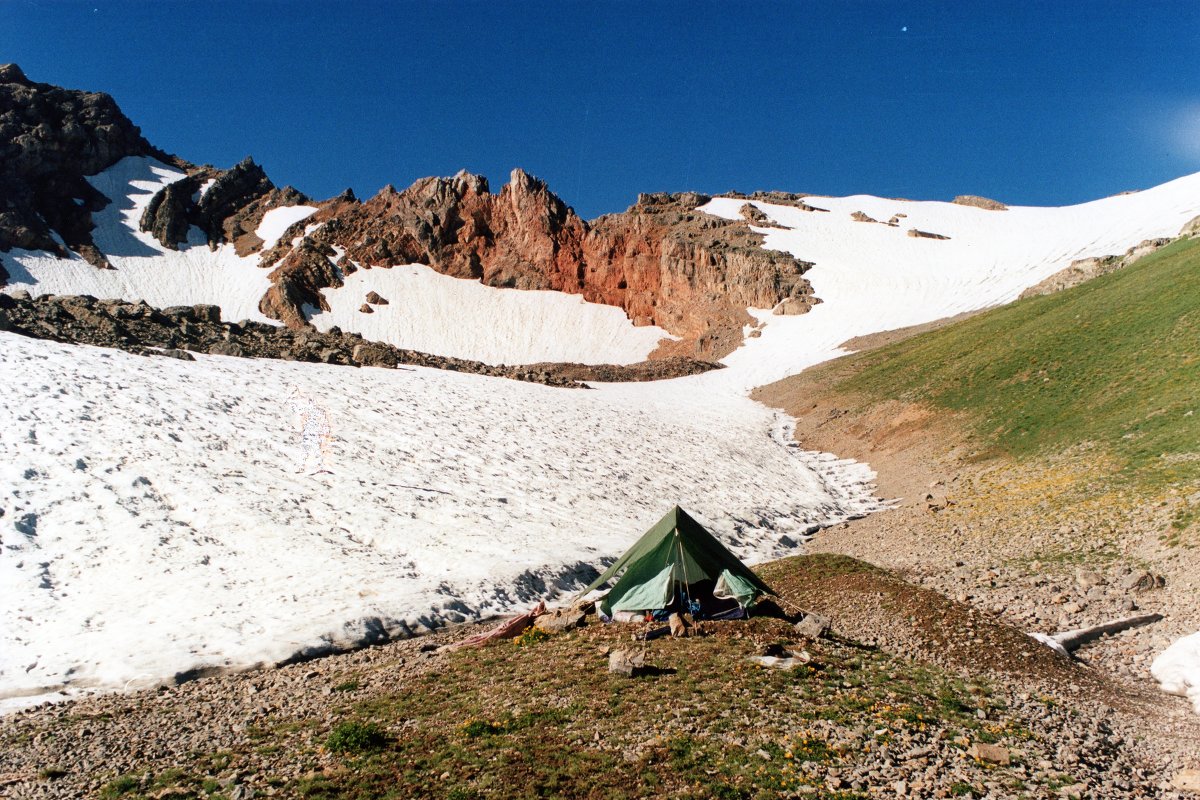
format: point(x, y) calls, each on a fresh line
point(677, 554)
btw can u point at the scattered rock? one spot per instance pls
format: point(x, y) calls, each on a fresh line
point(365, 309)
point(138, 328)
point(859, 216)
point(375, 299)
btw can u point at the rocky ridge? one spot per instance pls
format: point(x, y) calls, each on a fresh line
point(50, 138)
point(182, 330)
point(1085, 269)
point(661, 261)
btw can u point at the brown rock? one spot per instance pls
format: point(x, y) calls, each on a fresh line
point(979, 202)
point(916, 234)
point(660, 261)
point(1187, 780)
point(365, 308)
point(375, 299)
point(559, 620)
point(990, 753)
point(859, 216)
point(626, 662)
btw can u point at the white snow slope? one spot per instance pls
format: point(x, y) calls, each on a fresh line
point(153, 523)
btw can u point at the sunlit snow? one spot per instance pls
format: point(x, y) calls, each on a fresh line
point(153, 522)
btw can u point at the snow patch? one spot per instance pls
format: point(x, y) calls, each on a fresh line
point(1177, 669)
point(278, 220)
point(447, 316)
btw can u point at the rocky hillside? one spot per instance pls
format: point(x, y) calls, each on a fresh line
point(179, 331)
point(1042, 456)
point(50, 138)
point(661, 261)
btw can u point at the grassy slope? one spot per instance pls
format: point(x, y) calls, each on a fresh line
point(1113, 362)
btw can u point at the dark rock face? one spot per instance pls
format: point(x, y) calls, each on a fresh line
point(180, 330)
point(229, 210)
point(50, 138)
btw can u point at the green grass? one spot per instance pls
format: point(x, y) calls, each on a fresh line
point(550, 721)
point(355, 737)
point(1113, 362)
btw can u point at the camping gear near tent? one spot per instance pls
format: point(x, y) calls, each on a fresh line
point(677, 563)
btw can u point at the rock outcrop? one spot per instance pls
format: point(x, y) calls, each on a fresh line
point(181, 330)
point(50, 138)
point(661, 261)
point(979, 202)
point(227, 205)
point(1085, 269)
point(919, 234)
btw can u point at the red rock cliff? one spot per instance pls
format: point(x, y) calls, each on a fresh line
point(661, 261)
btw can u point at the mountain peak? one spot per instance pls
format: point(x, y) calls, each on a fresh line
point(11, 73)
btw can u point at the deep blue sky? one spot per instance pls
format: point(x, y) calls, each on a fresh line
point(1046, 103)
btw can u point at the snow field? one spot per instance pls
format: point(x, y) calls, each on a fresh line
point(153, 523)
point(872, 277)
point(446, 316)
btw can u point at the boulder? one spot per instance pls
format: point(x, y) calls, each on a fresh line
point(990, 753)
point(1086, 579)
point(373, 355)
point(206, 313)
point(859, 216)
point(795, 306)
point(980, 202)
point(365, 309)
point(1187, 780)
point(1143, 581)
point(559, 620)
point(918, 234)
point(375, 299)
point(226, 349)
point(626, 662)
point(1192, 228)
point(813, 626)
